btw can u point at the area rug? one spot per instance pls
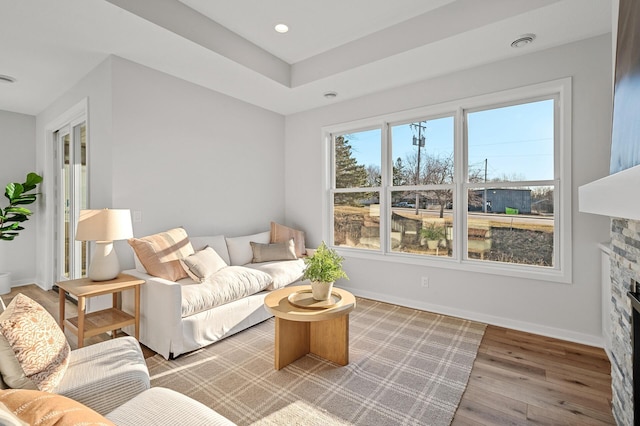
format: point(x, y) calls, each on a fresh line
point(405, 367)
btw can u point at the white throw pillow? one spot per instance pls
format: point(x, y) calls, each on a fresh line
point(201, 265)
point(240, 252)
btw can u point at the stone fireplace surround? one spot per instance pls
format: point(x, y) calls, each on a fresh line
point(625, 272)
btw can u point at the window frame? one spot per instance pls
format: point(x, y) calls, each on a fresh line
point(559, 90)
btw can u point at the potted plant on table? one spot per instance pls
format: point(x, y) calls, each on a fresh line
point(432, 233)
point(12, 216)
point(323, 268)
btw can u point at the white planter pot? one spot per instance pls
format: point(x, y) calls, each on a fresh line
point(321, 290)
point(5, 282)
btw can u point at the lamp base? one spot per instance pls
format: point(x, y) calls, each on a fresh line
point(104, 264)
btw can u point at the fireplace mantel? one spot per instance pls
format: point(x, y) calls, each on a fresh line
point(616, 195)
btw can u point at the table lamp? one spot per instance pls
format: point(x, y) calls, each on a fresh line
point(104, 226)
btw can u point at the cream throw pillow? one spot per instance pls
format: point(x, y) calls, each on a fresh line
point(201, 265)
point(160, 253)
point(282, 234)
point(34, 353)
point(274, 251)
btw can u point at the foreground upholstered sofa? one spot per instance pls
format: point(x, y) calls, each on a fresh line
point(105, 382)
point(44, 382)
point(179, 316)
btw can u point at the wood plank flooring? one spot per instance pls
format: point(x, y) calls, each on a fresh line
point(517, 379)
point(523, 379)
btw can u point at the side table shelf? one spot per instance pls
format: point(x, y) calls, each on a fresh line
point(101, 321)
point(110, 319)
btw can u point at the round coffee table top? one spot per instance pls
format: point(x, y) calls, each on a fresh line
point(277, 302)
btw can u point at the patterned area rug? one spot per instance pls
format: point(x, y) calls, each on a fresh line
point(405, 367)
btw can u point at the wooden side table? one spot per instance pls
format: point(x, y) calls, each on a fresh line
point(300, 331)
point(111, 319)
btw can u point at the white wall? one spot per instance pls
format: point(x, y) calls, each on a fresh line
point(96, 88)
point(17, 144)
point(180, 154)
point(571, 311)
point(187, 156)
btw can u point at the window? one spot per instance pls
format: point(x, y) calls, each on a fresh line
point(476, 183)
point(357, 183)
point(510, 215)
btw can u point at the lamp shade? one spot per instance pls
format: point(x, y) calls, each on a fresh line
point(104, 225)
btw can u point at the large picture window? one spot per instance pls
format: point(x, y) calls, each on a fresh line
point(476, 183)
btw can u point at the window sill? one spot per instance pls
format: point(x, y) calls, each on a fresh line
point(478, 266)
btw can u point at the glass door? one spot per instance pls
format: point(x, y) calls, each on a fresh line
point(72, 197)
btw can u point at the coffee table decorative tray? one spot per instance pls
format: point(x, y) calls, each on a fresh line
point(304, 299)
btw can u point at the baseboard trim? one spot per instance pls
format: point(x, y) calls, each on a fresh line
point(528, 327)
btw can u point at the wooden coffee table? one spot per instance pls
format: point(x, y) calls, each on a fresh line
point(320, 331)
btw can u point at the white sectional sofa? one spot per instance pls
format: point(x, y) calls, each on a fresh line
point(184, 315)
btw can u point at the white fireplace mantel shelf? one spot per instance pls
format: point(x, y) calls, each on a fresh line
point(616, 195)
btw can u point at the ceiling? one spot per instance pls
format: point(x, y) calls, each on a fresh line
point(351, 47)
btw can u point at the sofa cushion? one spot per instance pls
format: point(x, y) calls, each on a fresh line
point(216, 242)
point(161, 406)
point(273, 251)
point(282, 273)
point(281, 233)
point(160, 253)
point(239, 248)
point(43, 408)
point(34, 352)
point(226, 285)
point(105, 375)
point(202, 264)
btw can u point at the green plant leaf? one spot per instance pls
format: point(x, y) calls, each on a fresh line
point(13, 190)
point(13, 227)
point(33, 179)
point(25, 199)
point(17, 210)
point(13, 214)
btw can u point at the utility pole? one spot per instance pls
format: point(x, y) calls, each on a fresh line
point(484, 198)
point(420, 142)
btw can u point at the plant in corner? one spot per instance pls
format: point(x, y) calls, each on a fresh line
point(18, 194)
point(322, 269)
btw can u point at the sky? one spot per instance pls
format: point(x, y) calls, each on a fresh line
point(516, 141)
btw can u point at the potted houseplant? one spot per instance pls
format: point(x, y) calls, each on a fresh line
point(12, 216)
point(432, 233)
point(322, 269)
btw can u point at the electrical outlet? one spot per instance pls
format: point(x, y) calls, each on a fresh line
point(425, 282)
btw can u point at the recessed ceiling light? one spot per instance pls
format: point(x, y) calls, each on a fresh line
point(7, 79)
point(281, 28)
point(330, 95)
point(523, 40)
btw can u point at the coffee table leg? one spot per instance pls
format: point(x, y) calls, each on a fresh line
point(292, 341)
point(330, 339)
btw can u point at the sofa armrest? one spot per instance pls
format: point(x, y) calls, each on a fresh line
point(160, 406)
point(105, 375)
point(160, 312)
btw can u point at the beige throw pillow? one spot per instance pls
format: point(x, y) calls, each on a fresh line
point(201, 265)
point(34, 353)
point(274, 251)
point(282, 234)
point(160, 253)
point(48, 409)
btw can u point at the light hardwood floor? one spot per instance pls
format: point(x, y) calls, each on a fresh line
point(517, 379)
